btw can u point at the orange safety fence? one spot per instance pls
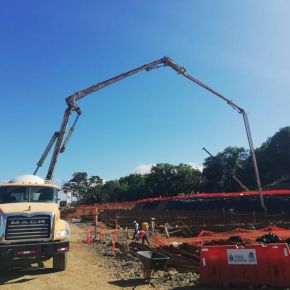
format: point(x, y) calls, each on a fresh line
point(130, 204)
point(249, 236)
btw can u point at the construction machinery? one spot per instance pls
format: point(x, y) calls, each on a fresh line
point(31, 230)
point(60, 141)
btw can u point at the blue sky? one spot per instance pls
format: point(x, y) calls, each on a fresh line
point(50, 49)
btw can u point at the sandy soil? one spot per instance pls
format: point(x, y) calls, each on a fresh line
point(86, 270)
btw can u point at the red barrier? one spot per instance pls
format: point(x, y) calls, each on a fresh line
point(279, 262)
point(250, 268)
point(251, 265)
point(212, 259)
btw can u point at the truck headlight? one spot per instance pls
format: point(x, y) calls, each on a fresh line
point(65, 234)
point(61, 234)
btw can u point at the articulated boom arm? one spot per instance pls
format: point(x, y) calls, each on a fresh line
point(58, 136)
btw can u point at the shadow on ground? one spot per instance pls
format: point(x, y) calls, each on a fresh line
point(215, 288)
point(16, 276)
point(129, 282)
point(198, 288)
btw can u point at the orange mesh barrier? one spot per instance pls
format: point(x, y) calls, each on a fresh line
point(249, 236)
point(131, 204)
point(90, 209)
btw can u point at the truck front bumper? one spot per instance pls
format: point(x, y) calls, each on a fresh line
point(43, 249)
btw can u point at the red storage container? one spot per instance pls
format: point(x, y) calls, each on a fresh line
point(278, 265)
point(213, 262)
point(253, 265)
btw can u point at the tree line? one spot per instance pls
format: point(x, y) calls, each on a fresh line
point(228, 171)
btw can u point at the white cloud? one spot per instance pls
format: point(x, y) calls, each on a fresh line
point(196, 166)
point(58, 182)
point(143, 168)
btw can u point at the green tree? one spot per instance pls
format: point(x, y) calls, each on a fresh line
point(186, 179)
point(85, 189)
point(78, 185)
point(159, 181)
point(112, 191)
point(167, 179)
point(273, 158)
point(133, 186)
point(219, 170)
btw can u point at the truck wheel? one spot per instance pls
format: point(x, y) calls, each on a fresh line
point(60, 262)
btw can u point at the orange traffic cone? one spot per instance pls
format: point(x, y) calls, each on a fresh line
point(88, 239)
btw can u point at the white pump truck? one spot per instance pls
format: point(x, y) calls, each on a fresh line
point(31, 228)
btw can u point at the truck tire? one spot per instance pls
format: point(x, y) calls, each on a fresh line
point(60, 262)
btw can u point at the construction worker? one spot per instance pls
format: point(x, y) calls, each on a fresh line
point(141, 234)
point(145, 226)
point(152, 226)
point(136, 229)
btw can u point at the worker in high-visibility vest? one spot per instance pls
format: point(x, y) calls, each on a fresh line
point(141, 234)
point(145, 226)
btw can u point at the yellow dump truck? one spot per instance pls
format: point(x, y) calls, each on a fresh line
point(31, 230)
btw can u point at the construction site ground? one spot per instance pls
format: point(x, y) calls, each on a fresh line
point(91, 267)
point(94, 266)
point(86, 270)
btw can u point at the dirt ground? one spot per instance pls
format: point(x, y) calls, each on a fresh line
point(86, 270)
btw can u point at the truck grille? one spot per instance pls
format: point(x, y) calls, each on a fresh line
point(27, 228)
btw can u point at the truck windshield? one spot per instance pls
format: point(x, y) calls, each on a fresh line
point(12, 194)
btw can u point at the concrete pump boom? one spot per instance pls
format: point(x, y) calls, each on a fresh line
point(58, 137)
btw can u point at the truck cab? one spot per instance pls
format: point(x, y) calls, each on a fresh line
point(31, 229)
